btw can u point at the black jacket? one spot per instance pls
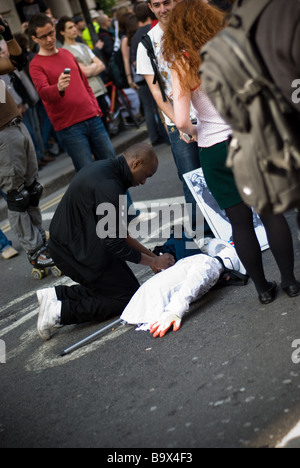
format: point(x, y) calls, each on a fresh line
point(108, 48)
point(73, 230)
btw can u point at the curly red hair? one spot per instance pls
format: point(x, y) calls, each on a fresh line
point(192, 24)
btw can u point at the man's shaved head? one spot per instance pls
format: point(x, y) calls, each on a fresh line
point(142, 162)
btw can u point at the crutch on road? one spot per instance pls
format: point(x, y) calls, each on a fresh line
point(91, 337)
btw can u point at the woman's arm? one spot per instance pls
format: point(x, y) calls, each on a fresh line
point(182, 106)
point(126, 60)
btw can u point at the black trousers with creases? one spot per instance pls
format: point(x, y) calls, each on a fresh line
point(99, 301)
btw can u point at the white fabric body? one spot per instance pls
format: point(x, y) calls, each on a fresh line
point(173, 290)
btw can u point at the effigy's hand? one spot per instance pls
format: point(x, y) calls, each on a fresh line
point(166, 321)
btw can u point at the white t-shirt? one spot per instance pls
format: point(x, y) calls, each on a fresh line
point(211, 128)
point(144, 66)
point(79, 48)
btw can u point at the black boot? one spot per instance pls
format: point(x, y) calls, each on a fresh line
point(40, 258)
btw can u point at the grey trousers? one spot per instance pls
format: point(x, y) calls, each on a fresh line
point(18, 168)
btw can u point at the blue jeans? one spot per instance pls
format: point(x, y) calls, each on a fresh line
point(154, 124)
point(186, 157)
point(4, 242)
point(46, 126)
point(31, 120)
point(85, 139)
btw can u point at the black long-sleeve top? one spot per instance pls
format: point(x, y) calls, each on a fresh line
point(81, 221)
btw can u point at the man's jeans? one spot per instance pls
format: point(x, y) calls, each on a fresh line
point(186, 158)
point(85, 139)
point(155, 126)
point(4, 242)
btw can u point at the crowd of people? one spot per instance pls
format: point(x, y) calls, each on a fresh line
point(80, 125)
point(72, 34)
point(163, 71)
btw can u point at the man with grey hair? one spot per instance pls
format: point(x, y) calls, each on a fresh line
point(106, 37)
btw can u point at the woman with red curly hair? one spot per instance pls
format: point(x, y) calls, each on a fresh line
point(193, 23)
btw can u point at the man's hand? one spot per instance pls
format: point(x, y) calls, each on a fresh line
point(99, 44)
point(162, 262)
point(166, 321)
point(63, 82)
point(5, 30)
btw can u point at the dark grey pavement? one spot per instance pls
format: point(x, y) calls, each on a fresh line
point(226, 379)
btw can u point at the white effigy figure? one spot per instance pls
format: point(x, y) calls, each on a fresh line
point(163, 300)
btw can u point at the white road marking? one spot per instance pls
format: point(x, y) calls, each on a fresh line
point(19, 322)
point(45, 357)
point(292, 435)
point(47, 216)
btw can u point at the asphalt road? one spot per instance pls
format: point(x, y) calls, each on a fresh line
point(226, 379)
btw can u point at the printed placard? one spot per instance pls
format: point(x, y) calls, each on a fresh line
point(215, 217)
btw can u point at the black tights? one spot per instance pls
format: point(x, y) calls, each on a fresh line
point(248, 247)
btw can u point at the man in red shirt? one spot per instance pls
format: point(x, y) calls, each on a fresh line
point(69, 101)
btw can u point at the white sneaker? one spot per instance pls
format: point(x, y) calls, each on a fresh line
point(203, 244)
point(49, 317)
point(222, 249)
point(46, 293)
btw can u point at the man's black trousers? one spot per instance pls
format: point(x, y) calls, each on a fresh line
point(99, 301)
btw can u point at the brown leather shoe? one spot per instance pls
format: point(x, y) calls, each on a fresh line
point(41, 164)
point(8, 253)
point(48, 159)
